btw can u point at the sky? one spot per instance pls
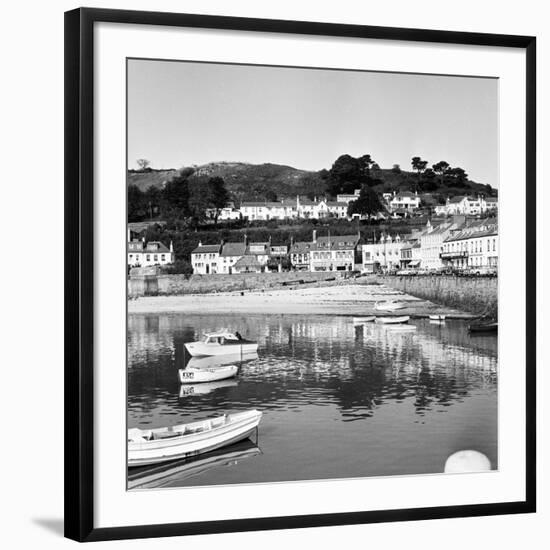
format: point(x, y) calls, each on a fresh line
point(184, 113)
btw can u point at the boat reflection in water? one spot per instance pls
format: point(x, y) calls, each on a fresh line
point(174, 473)
point(204, 388)
point(213, 361)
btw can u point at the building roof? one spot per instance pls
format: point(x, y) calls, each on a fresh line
point(233, 249)
point(337, 203)
point(247, 261)
point(263, 246)
point(156, 247)
point(300, 247)
point(491, 199)
point(457, 199)
point(207, 249)
point(336, 242)
point(403, 194)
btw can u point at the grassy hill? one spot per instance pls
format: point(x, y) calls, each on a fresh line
point(256, 181)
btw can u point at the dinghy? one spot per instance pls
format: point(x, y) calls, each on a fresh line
point(393, 320)
point(182, 441)
point(437, 317)
point(361, 320)
point(221, 343)
point(389, 305)
point(194, 376)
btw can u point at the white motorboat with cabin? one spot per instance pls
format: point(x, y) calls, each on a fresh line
point(222, 342)
point(437, 317)
point(184, 440)
point(213, 361)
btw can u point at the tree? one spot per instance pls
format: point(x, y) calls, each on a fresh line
point(345, 175)
point(367, 204)
point(136, 211)
point(175, 198)
point(396, 169)
point(365, 164)
point(218, 195)
point(440, 168)
point(458, 176)
point(419, 165)
point(143, 164)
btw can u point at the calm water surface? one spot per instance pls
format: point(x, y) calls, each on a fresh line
point(339, 400)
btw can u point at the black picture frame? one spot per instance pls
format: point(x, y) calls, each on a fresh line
point(79, 268)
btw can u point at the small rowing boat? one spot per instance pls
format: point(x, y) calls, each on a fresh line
point(221, 343)
point(393, 320)
point(437, 317)
point(194, 376)
point(361, 320)
point(483, 327)
point(185, 440)
point(389, 305)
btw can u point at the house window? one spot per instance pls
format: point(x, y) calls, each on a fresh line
point(148, 258)
point(163, 257)
point(156, 258)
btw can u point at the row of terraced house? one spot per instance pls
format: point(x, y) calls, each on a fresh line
point(456, 244)
point(327, 253)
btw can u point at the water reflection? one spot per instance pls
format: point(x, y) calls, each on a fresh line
point(404, 395)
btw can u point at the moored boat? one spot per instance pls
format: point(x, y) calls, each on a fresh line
point(437, 317)
point(194, 376)
point(361, 320)
point(221, 343)
point(483, 327)
point(184, 440)
point(393, 320)
point(389, 305)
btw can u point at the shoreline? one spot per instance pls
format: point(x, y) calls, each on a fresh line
point(346, 300)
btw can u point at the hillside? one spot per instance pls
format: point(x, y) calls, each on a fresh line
point(269, 181)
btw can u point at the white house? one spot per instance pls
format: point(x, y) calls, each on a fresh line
point(384, 254)
point(404, 200)
point(141, 254)
point(205, 259)
point(467, 205)
point(431, 243)
point(347, 198)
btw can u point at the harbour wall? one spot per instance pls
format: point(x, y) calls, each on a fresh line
point(150, 283)
point(477, 295)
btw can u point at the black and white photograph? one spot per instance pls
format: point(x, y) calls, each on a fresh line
point(312, 274)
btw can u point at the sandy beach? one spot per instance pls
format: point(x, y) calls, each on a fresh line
point(332, 300)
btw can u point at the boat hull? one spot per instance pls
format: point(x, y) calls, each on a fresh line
point(361, 320)
point(393, 320)
point(490, 327)
point(194, 376)
point(389, 306)
point(238, 427)
point(197, 349)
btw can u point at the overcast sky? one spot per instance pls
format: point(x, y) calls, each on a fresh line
point(182, 113)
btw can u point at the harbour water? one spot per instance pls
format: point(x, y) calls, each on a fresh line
point(339, 399)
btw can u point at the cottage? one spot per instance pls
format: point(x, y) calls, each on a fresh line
point(205, 259)
point(141, 254)
point(333, 253)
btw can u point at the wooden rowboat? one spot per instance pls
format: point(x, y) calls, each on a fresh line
point(186, 440)
point(393, 320)
point(194, 376)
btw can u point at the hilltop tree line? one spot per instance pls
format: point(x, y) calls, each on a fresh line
point(185, 198)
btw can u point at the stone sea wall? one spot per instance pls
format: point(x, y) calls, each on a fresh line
point(151, 284)
point(477, 295)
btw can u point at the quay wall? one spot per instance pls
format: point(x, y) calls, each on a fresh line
point(162, 284)
point(477, 295)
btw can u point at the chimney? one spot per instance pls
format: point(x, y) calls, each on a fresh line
point(200, 243)
point(129, 235)
point(314, 235)
point(171, 247)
